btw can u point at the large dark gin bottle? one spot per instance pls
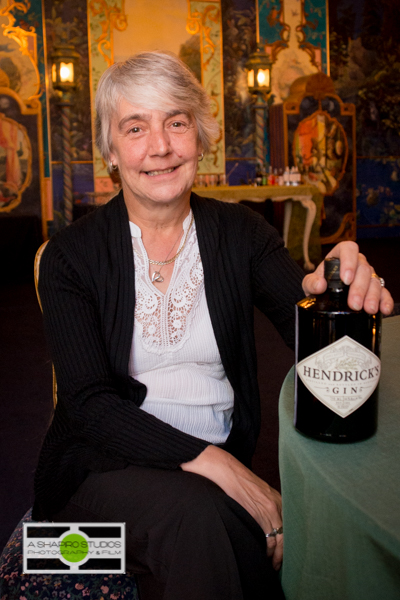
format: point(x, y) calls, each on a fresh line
point(337, 365)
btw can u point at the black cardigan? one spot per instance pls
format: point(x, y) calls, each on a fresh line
point(87, 288)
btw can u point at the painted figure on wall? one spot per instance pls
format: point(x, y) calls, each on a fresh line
point(23, 135)
point(320, 148)
point(15, 162)
point(18, 50)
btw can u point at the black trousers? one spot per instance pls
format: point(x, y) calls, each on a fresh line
point(197, 542)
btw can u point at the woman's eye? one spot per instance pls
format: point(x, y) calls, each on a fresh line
point(179, 125)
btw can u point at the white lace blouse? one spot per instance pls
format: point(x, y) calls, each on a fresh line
point(174, 351)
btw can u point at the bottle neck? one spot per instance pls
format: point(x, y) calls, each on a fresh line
point(338, 292)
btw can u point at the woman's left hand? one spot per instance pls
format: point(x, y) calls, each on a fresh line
point(365, 291)
point(261, 501)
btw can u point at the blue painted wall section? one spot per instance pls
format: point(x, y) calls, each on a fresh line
point(239, 26)
point(315, 27)
point(365, 66)
point(271, 27)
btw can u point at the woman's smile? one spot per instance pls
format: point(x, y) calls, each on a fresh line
point(160, 172)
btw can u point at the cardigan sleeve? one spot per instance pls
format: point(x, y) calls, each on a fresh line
point(276, 279)
point(91, 410)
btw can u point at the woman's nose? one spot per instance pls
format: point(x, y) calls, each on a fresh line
point(159, 143)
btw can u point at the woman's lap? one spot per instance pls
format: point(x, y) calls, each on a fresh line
point(197, 541)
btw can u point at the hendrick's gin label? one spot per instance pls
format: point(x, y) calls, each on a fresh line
point(337, 365)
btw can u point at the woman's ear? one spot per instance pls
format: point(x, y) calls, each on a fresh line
point(200, 149)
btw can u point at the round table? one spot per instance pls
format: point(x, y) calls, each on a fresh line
point(341, 503)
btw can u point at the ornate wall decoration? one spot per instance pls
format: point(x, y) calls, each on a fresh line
point(23, 139)
point(189, 28)
point(15, 162)
point(320, 151)
point(201, 20)
point(106, 18)
point(103, 17)
point(20, 57)
point(312, 33)
point(204, 19)
point(21, 153)
point(274, 32)
point(365, 68)
point(294, 33)
point(326, 153)
point(239, 39)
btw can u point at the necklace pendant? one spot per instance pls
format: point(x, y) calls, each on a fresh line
point(157, 277)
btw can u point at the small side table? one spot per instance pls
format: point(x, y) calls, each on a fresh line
point(277, 193)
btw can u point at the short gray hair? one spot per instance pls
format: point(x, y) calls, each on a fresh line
point(155, 80)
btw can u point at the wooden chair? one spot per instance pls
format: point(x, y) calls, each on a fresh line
point(36, 268)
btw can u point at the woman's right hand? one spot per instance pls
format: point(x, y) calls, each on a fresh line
point(260, 500)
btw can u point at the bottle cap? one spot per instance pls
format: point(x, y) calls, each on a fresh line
point(332, 269)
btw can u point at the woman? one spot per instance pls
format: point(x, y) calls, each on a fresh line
point(148, 307)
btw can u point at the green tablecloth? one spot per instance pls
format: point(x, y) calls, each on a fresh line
point(341, 503)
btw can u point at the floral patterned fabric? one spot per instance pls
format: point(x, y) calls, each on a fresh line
point(16, 586)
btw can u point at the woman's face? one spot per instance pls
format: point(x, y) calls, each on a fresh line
point(156, 153)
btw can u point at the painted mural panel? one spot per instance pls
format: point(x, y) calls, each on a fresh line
point(20, 157)
point(321, 150)
point(15, 159)
point(320, 134)
point(22, 98)
point(18, 50)
point(378, 196)
point(239, 38)
point(314, 30)
point(365, 66)
point(273, 29)
point(204, 20)
point(294, 34)
point(189, 28)
point(144, 36)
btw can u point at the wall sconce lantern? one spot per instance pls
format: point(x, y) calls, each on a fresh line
point(63, 75)
point(63, 69)
point(259, 71)
point(259, 83)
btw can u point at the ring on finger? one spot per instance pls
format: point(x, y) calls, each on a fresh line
point(275, 531)
point(380, 279)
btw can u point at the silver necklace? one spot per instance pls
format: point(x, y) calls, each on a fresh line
point(156, 276)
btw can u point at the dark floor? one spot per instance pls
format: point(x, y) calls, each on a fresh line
point(26, 395)
point(25, 399)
